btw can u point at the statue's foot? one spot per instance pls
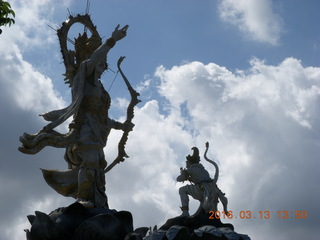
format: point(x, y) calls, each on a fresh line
point(85, 203)
point(184, 214)
point(185, 211)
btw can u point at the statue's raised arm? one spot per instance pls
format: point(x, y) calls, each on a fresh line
point(101, 52)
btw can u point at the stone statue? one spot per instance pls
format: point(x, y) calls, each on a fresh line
point(202, 187)
point(202, 224)
point(90, 127)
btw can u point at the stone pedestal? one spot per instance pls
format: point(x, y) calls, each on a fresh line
point(76, 222)
point(200, 227)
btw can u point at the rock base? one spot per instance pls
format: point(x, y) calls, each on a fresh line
point(76, 222)
point(207, 232)
point(199, 227)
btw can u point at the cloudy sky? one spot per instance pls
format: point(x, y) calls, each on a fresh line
point(241, 74)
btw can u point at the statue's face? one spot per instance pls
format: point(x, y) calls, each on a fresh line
point(100, 68)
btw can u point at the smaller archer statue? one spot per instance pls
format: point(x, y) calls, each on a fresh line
point(203, 188)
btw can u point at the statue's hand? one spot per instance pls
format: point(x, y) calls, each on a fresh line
point(118, 34)
point(127, 126)
point(183, 175)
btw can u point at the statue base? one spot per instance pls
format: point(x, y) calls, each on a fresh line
point(199, 227)
point(80, 223)
point(76, 222)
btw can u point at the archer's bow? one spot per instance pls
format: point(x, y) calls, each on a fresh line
point(130, 114)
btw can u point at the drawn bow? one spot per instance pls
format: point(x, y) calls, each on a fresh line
point(130, 114)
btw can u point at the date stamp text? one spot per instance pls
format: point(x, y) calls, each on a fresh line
point(258, 215)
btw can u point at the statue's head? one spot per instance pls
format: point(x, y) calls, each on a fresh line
point(195, 158)
point(100, 67)
point(84, 46)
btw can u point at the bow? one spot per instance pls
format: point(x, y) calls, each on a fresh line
point(130, 114)
point(216, 175)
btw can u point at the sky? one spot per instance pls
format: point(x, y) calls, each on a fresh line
point(241, 74)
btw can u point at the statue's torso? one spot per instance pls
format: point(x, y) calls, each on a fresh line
point(198, 173)
point(91, 119)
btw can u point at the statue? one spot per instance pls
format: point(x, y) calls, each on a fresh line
point(88, 132)
point(203, 188)
point(206, 222)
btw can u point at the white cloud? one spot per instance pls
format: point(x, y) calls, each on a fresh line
point(255, 18)
point(262, 124)
point(25, 86)
point(264, 153)
point(32, 20)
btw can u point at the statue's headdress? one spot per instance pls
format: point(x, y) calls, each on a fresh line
point(84, 45)
point(195, 158)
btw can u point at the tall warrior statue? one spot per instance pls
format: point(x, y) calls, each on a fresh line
point(203, 188)
point(90, 127)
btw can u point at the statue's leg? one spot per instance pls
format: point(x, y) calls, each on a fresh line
point(184, 192)
point(86, 177)
point(210, 202)
point(101, 198)
point(91, 182)
point(85, 186)
point(199, 210)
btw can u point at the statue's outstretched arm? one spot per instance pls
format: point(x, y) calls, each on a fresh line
point(101, 52)
point(120, 126)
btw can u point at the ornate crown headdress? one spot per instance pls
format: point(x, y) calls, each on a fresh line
point(195, 158)
point(84, 46)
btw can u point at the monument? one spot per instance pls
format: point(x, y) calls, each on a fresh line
point(205, 223)
point(203, 188)
point(84, 142)
point(90, 217)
